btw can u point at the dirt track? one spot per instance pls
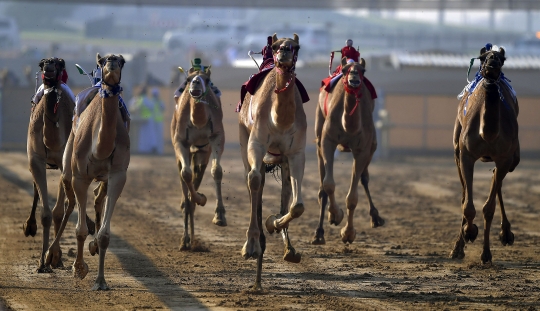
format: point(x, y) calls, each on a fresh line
point(403, 265)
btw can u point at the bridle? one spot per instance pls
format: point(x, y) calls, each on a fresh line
point(111, 90)
point(290, 71)
point(198, 99)
point(353, 90)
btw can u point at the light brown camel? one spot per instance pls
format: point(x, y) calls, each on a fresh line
point(48, 131)
point(486, 128)
point(197, 134)
point(344, 120)
point(273, 131)
point(98, 150)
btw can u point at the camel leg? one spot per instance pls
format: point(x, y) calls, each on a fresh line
point(335, 214)
point(505, 236)
point(318, 239)
point(489, 207)
point(100, 193)
point(348, 234)
point(458, 250)
point(37, 168)
point(30, 225)
point(186, 208)
point(296, 167)
point(470, 230)
point(186, 173)
point(262, 238)
point(80, 186)
point(115, 186)
point(217, 174)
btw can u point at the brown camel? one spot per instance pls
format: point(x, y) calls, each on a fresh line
point(97, 150)
point(197, 134)
point(344, 120)
point(48, 131)
point(273, 131)
point(486, 128)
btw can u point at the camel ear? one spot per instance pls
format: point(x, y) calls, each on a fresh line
point(98, 58)
point(482, 50)
point(274, 38)
point(62, 64)
point(207, 70)
point(296, 39)
point(363, 62)
point(42, 63)
point(123, 61)
point(502, 51)
point(343, 61)
point(191, 70)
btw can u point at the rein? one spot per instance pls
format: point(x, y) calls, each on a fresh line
point(293, 75)
point(353, 90)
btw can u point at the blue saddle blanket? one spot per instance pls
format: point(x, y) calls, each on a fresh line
point(85, 97)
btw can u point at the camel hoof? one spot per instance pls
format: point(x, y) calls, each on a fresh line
point(186, 243)
point(457, 253)
point(318, 239)
point(91, 225)
point(470, 233)
point(202, 199)
point(377, 221)
point(506, 237)
point(270, 223)
point(348, 235)
point(256, 288)
point(93, 247)
point(336, 219)
point(80, 269)
point(291, 255)
point(486, 256)
point(219, 219)
point(53, 256)
point(30, 228)
point(251, 249)
point(44, 269)
point(100, 284)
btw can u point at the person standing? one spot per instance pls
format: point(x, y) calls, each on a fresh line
point(141, 108)
point(158, 107)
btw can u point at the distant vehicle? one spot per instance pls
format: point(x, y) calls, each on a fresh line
point(526, 46)
point(205, 35)
point(9, 34)
point(314, 40)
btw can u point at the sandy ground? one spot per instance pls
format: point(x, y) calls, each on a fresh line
point(403, 265)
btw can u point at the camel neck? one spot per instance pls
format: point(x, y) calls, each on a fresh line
point(491, 112)
point(199, 114)
point(109, 116)
point(351, 109)
point(284, 108)
point(51, 118)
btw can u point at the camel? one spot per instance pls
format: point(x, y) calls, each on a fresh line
point(486, 128)
point(272, 128)
point(97, 150)
point(344, 120)
point(48, 131)
point(197, 134)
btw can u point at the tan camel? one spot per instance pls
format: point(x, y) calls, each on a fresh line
point(48, 131)
point(273, 131)
point(197, 134)
point(486, 128)
point(344, 120)
point(97, 150)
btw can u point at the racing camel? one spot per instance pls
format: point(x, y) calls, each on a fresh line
point(344, 120)
point(98, 150)
point(486, 128)
point(48, 131)
point(197, 134)
point(272, 128)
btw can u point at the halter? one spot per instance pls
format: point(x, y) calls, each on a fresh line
point(114, 91)
point(53, 80)
point(353, 90)
point(291, 70)
point(198, 99)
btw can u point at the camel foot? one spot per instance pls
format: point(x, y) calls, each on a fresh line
point(270, 223)
point(506, 237)
point(202, 199)
point(93, 247)
point(257, 288)
point(458, 252)
point(470, 233)
point(91, 225)
point(80, 269)
point(291, 255)
point(377, 221)
point(186, 243)
point(336, 219)
point(219, 219)
point(44, 269)
point(30, 227)
point(486, 256)
point(348, 234)
point(53, 256)
point(100, 284)
point(318, 239)
point(252, 248)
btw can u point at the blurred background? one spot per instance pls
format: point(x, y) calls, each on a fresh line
point(417, 55)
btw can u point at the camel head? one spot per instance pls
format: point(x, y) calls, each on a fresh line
point(51, 70)
point(492, 62)
point(111, 68)
point(353, 72)
point(199, 82)
point(285, 50)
